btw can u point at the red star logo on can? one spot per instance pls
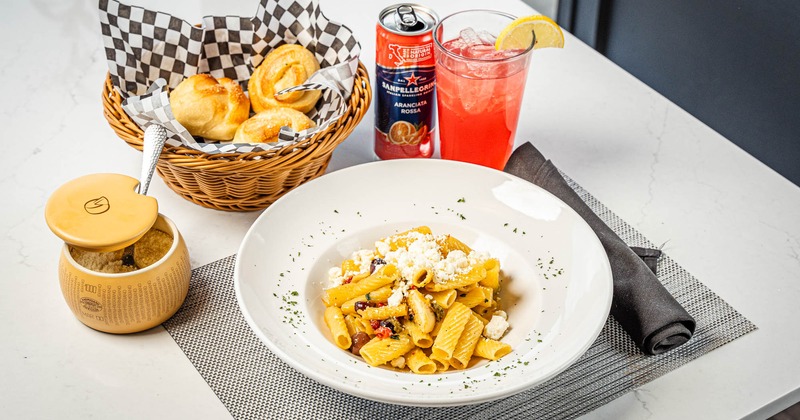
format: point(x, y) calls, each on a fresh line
point(412, 80)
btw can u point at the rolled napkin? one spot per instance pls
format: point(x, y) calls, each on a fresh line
point(644, 308)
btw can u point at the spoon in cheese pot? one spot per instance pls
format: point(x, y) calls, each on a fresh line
point(154, 138)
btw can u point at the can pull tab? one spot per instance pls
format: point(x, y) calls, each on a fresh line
point(408, 19)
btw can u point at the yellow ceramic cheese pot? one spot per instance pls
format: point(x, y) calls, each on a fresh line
point(103, 212)
point(128, 302)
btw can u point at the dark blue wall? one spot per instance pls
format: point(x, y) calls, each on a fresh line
point(733, 64)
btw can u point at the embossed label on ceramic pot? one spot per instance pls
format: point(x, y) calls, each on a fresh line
point(125, 304)
point(91, 305)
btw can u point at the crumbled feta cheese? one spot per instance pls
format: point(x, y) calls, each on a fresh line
point(496, 327)
point(398, 294)
point(447, 268)
point(335, 277)
point(457, 263)
point(480, 256)
point(399, 362)
point(363, 258)
point(501, 314)
point(421, 252)
point(382, 247)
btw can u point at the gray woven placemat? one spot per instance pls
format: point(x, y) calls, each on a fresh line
point(254, 383)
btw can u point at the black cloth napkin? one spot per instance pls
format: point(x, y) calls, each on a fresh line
point(644, 308)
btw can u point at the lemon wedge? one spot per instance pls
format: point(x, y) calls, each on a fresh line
point(519, 34)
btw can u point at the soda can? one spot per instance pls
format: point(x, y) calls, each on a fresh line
point(405, 119)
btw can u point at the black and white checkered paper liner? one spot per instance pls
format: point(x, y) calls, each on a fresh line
point(253, 383)
point(149, 52)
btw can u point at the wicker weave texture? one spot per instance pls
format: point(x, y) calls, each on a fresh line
point(243, 181)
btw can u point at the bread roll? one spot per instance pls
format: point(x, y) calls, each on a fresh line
point(265, 126)
point(286, 66)
point(208, 107)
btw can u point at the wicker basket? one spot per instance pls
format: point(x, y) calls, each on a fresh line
point(243, 181)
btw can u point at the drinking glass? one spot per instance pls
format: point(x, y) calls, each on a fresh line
point(479, 89)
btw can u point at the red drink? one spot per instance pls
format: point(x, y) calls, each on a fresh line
point(479, 93)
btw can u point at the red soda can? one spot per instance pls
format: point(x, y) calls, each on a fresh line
point(405, 116)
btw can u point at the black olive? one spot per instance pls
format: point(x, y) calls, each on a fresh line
point(361, 305)
point(388, 324)
point(359, 339)
point(375, 263)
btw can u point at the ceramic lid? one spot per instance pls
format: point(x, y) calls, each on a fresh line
point(100, 212)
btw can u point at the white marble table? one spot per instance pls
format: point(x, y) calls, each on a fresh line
point(724, 216)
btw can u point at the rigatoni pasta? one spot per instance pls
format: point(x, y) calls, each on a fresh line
point(335, 322)
point(465, 347)
point(477, 296)
point(340, 294)
point(418, 362)
point(420, 338)
point(424, 317)
point(452, 326)
point(445, 298)
point(380, 351)
point(379, 295)
point(383, 312)
point(491, 349)
point(420, 302)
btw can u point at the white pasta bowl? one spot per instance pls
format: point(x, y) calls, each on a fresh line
point(556, 289)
